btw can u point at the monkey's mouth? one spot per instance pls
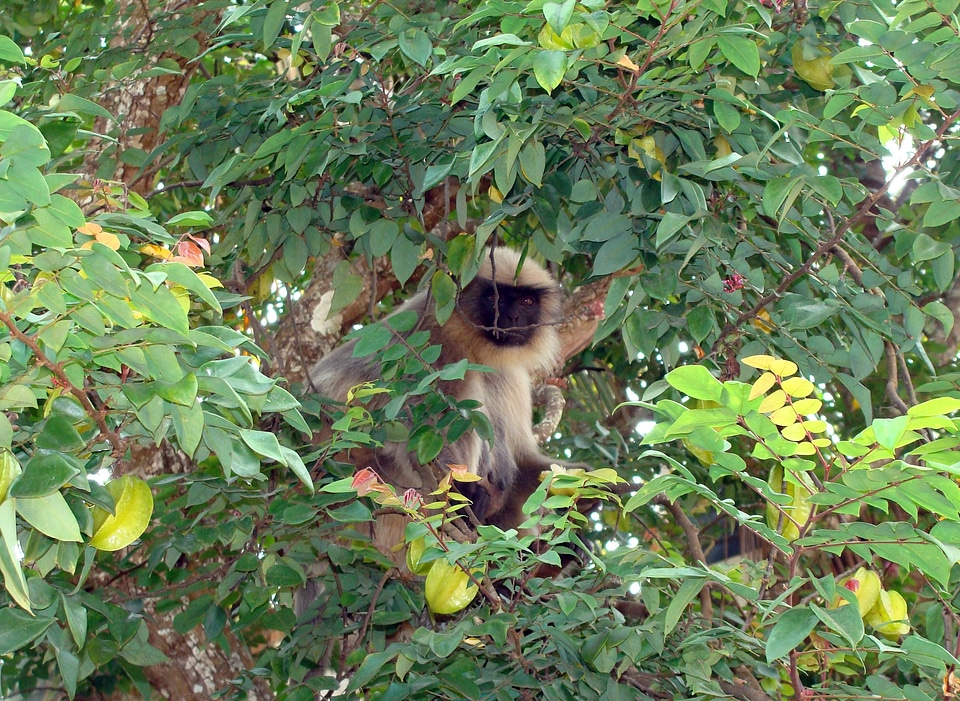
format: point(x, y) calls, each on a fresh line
point(509, 337)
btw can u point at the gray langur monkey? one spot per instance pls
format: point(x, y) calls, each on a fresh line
point(506, 319)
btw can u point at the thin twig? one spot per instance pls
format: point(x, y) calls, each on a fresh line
point(862, 212)
point(98, 415)
point(692, 534)
point(893, 383)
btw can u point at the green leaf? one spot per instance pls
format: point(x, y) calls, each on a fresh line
point(372, 339)
point(935, 407)
point(382, 234)
point(941, 212)
point(696, 381)
point(28, 182)
point(273, 22)
point(616, 254)
point(263, 443)
point(790, 630)
point(76, 614)
point(10, 52)
point(182, 275)
point(701, 321)
point(16, 397)
point(75, 103)
point(188, 424)
point(371, 665)
point(58, 433)
point(926, 248)
point(727, 115)
point(182, 392)
point(18, 629)
point(429, 445)
point(889, 432)
point(51, 515)
point(558, 14)
point(194, 218)
point(466, 86)
point(347, 286)
point(779, 194)
point(532, 162)
point(404, 258)
point(13, 579)
point(669, 226)
point(695, 419)
point(415, 45)
point(444, 291)
point(549, 68)
point(9, 121)
point(328, 15)
point(161, 307)
point(741, 52)
point(45, 473)
point(845, 620)
point(104, 274)
point(26, 146)
point(139, 652)
point(687, 592)
point(293, 460)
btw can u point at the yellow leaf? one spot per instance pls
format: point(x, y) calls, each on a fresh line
point(415, 553)
point(817, 71)
point(183, 297)
point(603, 474)
point(156, 251)
point(549, 39)
point(9, 471)
point(495, 194)
point(648, 145)
point(625, 62)
point(763, 383)
point(760, 362)
point(111, 241)
point(209, 280)
point(783, 368)
point(924, 91)
point(704, 456)
point(798, 387)
point(805, 448)
point(798, 511)
point(90, 229)
point(724, 149)
point(815, 426)
point(794, 432)
point(762, 321)
point(774, 401)
point(784, 416)
point(807, 406)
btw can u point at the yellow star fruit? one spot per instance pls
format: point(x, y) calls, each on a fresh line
point(448, 588)
point(133, 503)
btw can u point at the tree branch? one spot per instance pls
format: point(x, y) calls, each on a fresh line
point(82, 396)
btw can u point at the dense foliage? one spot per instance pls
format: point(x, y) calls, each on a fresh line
point(197, 199)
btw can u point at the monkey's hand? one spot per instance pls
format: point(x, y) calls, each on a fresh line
point(479, 495)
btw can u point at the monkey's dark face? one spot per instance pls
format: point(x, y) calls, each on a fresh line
point(506, 315)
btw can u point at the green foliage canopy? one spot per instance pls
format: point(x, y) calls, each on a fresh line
point(719, 165)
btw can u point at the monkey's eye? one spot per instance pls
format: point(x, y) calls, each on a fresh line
point(527, 301)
